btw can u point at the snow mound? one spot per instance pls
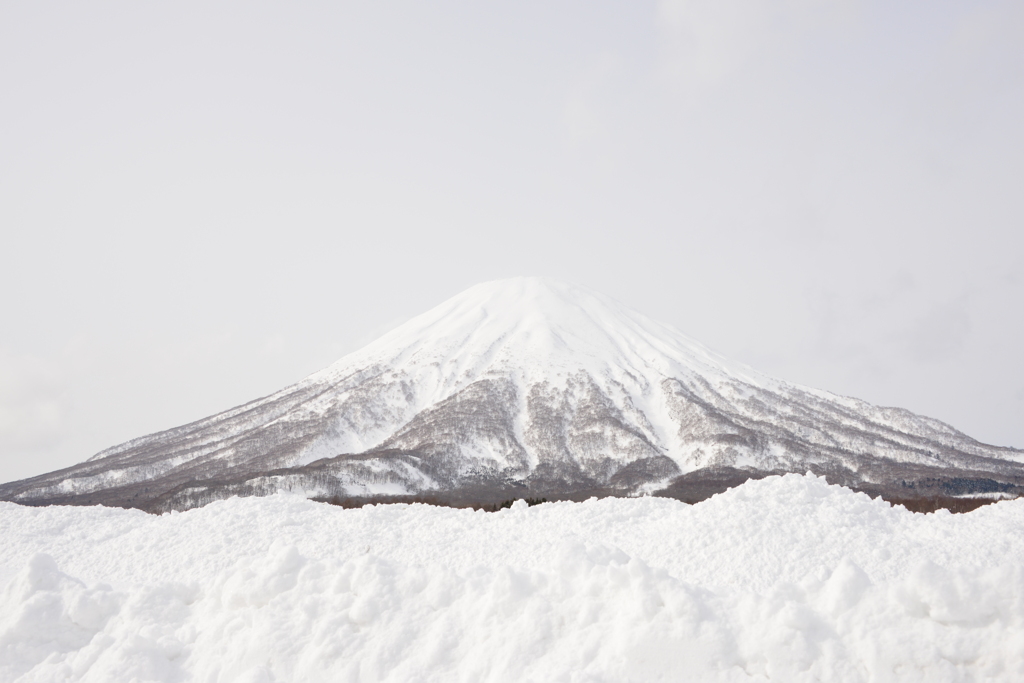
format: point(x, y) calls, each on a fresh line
point(783, 579)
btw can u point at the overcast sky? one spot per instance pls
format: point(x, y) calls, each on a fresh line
point(201, 203)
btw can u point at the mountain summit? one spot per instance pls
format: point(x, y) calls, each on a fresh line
point(532, 387)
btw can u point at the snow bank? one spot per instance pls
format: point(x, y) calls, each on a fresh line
point(783, 579)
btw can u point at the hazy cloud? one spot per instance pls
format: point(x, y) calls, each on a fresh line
point(708, 41)
point(34, 409)
point(582, 112)
point(939, 334)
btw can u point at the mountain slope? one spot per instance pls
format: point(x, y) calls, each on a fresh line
point(528, 386)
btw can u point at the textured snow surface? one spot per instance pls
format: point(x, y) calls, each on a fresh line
point(539, 327)
point(783, 579)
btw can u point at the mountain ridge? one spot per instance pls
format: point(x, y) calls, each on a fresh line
point(525, 385)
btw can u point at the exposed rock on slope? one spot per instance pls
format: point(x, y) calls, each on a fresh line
point(530, 387)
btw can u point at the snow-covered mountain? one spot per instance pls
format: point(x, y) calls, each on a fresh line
point(530, 386)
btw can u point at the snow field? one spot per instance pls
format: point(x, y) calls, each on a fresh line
point(783, 579)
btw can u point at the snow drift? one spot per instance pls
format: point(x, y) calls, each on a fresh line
point(782, 579)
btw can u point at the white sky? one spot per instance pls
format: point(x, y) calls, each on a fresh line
point(201, 203)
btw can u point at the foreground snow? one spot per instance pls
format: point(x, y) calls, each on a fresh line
point(782, 579)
